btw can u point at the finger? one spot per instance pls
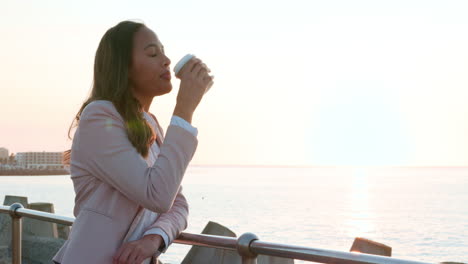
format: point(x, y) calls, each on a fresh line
point(199, 71)
point(208, 77)
point(196, 63)
point(203, 74)
point(139, 260)
point(123, 259)
point(203, 71)
point(116, 257)
point(133, 257)
point(206, 67)
point(210, 83)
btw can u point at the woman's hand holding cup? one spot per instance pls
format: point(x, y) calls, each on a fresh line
point(195, 81)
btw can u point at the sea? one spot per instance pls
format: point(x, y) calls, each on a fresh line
point(422, 213)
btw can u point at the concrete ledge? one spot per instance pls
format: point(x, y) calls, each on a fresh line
point(368, 246)
point(38, 250)
point(204, 255)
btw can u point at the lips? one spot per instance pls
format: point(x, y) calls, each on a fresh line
point(166, 76)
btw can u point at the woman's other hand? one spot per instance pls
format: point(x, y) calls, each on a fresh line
point(134, 252)
point(194, 82)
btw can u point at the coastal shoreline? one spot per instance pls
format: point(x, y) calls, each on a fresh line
point(34, 173)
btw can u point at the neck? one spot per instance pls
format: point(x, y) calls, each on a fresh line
point(145, 102)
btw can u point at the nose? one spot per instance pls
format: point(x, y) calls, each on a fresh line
point(167, 61)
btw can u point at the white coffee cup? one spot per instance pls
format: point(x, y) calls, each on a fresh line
point(181, 64)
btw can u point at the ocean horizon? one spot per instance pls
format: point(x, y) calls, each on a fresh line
point(421, 212)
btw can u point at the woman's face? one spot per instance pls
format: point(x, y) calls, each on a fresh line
point(149, 72)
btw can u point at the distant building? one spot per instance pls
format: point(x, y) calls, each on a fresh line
point(4, 153)
point(45, 160)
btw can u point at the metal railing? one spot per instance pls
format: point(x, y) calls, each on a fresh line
point(247, 245)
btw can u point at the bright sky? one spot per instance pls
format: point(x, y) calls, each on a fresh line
point(297, 82)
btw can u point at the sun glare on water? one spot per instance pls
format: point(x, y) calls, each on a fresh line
point(360, 222)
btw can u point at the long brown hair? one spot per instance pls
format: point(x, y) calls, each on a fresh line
point(111, 82)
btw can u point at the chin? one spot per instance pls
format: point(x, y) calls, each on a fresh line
point(168, 89)
point(164, 90)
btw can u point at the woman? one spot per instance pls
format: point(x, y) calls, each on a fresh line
point(129, 206)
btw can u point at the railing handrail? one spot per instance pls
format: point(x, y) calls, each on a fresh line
point(246, 244)
point(39, 215)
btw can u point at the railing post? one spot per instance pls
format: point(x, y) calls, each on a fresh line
point(16, 233)
point(243, 247)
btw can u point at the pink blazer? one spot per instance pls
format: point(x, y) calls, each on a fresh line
point(113, 183)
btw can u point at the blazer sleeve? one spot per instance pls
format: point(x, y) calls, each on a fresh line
point(174, 221)
point(102, 142)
